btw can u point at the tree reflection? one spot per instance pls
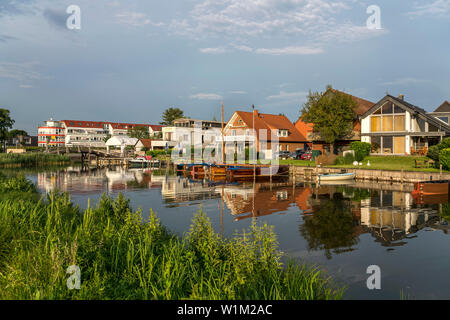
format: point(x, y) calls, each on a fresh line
point(331, 227)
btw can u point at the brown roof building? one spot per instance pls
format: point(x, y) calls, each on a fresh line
point(241, 124)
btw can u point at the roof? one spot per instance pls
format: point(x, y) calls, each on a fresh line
point(414, 110)
point(444, 107)
point(147, 143)
point(100, 124)
point(121, 141)
point(362, 105)
point(270, 121)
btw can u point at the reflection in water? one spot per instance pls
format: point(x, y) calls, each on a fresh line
point(333, 217)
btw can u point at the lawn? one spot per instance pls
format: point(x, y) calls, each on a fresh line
point(376, 163)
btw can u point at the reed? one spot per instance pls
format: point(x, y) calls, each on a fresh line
point(31, 159)
point(124, 256)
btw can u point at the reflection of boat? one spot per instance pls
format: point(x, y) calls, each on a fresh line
point(143, 162)
point(336, 177)
point(432, 187)
point(337, 182)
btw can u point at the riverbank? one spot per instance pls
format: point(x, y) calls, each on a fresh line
point(32, 159)
point(121, 256)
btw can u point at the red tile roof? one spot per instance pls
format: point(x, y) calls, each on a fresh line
point(115, 125)
point(270, 121)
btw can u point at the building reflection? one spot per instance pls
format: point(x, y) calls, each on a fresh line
point(333, 217)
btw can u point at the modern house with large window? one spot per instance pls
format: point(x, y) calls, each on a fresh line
point(442, 112)
point(395, 127)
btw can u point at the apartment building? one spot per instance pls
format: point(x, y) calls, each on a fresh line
point(73, 133)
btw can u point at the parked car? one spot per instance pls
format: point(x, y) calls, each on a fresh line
point(311, 155)
point(297, 154)
point(283, 155)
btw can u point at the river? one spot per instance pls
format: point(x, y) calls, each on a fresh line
point(342, 229)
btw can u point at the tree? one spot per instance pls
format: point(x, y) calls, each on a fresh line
point(139, 133)
point(331, 113)
point(171, 114)
point(17, 133)
point(6, 123)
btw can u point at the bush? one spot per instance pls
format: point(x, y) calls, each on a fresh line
point(444, 144)
point(362, 149)
point(347, 159)
point(444, 158)
point(433, 153)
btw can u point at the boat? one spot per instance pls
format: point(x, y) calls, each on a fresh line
point(336, 177)
point(145, 161)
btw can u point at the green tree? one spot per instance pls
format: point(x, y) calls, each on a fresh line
point(17, 133)
point(6, 123)
point(171, 114)
point(139, 133)
point(331, 113)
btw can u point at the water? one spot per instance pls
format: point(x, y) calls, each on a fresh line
point(341, 229)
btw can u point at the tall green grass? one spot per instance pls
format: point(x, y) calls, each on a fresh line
point(32, 159)
point(123, 256)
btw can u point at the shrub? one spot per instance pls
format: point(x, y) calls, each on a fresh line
point(362, 149)
point(433, 153)
point(444, 158)
point(444, 144)
point(347, 159)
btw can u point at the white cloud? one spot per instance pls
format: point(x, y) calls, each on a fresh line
point(22, 72)
point(206, 96)
point(238, 92)
point(212, 50)
point(289, 51)
point(405, 81)
point(26, 86)
point(136, 19)
point(438, 8)
point(300, 95)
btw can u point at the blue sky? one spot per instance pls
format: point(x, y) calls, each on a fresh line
point(133, 59)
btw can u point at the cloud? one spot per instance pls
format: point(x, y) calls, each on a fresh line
point(5, 38)
point(56, 18)
point(289, 51)
point(26, 86)
point(14, 7)
point(206, 96)
point(405, 82)
point(213, 50)
point(300, 95)
point(438, 8)
point(22, 72)
point(238, 92)
point(136, 19)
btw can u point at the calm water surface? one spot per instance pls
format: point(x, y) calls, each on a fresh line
point(342, 229)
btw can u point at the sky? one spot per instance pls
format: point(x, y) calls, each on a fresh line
point(132, 59)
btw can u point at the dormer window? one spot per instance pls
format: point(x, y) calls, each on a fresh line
point(283, 132)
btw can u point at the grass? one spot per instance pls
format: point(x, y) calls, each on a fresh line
point(121, 256)
point(395, 163)
point(32, 159)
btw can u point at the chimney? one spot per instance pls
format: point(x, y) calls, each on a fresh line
point(401, 96)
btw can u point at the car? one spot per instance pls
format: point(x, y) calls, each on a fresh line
point(309, 155)
point(297, 154)
point(283, 155)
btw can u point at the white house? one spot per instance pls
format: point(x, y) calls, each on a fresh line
point(395, 127)
point(120, 142)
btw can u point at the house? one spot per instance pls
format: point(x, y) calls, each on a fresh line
point(395, 127)
point(182, 133)
point(313, 138)
point(144, 144)
point(241, 123)
point(120, 142)
point(442, 112)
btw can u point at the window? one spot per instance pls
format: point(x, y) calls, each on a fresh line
point(399, 145)
point(387, 145)
point(445, 119)
point(388, 123)
point(376, 144)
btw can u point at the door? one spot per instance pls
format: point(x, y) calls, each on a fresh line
point(399, 145)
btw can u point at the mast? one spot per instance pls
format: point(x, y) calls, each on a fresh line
point(223, 142)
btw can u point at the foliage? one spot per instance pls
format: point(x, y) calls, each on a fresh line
point(139, 133)
point(362, 149)
point(331, 228)
point(433, 152)
point(123, 256)
point(170, 115)
point(349, 158)
point(331, 113)
point(6, 123)
point(444, 144)
point(444, 158)
point(32, 158)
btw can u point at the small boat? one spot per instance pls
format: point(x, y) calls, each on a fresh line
point(144, 162)
point(336, 177)
point(432, 187)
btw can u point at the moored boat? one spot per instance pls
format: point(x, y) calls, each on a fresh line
point(336, 177)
